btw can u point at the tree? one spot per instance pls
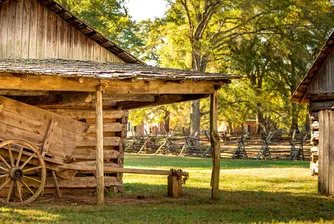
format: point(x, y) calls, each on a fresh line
point(205, 31)
point(110, 17)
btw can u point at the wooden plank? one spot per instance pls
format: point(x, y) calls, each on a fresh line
point(3, 30)
point(37, 127)
point(107, 127)
point(49, 137)
point(215, 144)
point(56, 83)
point(326, 147)
point(76, 182)
point(129, 97)
point(91, 141)
point(88, 114)
point(18, 28)
point(122, 170)
point(8, 132)
point(33, 23)
point(34, 113)
point(159, 87)
point(41, 31)
point(99, 148)
point(23, 93)
point(90, 154)
point(321, 153)
point(10, 19)
point(331, 156)
point(324, 105)
point(56, 184)
point(26, 28)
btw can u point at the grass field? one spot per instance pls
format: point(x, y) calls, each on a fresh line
point(251, 192)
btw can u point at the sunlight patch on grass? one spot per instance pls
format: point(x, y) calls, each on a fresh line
point(15, 215)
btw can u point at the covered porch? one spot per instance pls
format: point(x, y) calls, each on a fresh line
point(70, 88)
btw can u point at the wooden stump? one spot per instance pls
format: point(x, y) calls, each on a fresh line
point(174, 186)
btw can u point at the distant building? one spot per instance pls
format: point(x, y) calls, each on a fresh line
point(145, 128)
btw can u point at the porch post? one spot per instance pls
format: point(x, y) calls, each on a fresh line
point(215, 145)
point(99, 147)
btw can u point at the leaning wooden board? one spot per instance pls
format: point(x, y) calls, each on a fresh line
point(55, 135)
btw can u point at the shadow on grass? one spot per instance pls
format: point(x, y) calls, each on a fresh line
point(195, 162)
point(194, 207)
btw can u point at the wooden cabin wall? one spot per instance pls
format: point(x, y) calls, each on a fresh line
point(326, 153)
point(324, 81)
point(115, 129)
point(29, 30)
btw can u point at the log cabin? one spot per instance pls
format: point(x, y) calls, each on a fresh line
point(52, 60)
point(317, 89)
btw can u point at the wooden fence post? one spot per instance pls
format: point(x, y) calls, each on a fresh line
point(215, 145)
point(99, 147)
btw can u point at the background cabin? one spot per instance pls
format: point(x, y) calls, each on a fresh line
point(317, 89)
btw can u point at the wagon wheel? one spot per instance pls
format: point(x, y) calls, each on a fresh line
point(22, 171)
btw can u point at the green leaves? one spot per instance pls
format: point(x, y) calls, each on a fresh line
point(110, 17)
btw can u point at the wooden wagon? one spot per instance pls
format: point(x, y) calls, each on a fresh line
point(33, 143)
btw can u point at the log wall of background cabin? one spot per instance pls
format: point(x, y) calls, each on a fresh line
point(29, 30)
point(326, 153)
point(115, 129)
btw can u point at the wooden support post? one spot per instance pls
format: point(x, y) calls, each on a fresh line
point(215, 144)
point(174, 186)
point(56, 184)
point(99, 147)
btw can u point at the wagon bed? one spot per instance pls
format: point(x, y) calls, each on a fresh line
point(31, 141)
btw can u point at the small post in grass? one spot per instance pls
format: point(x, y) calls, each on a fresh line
point(215, 145)
point(174, 186)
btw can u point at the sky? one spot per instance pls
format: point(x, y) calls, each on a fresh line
point(145, 9)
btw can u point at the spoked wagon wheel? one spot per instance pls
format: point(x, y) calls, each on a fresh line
point(22, 173)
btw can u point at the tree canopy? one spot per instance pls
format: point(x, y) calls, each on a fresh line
point(270, 43)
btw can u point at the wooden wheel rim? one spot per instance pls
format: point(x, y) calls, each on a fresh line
point(15, 169)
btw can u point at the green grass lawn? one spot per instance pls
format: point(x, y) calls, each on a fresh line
point(251, 192)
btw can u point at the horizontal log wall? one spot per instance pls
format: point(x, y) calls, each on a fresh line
point(115, 127)
point(326, 153)
point(30, 30)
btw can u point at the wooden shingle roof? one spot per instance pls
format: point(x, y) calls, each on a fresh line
point(106, 70)
point(299, 96)
point(88, 31)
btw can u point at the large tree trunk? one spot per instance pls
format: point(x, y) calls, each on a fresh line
point(294, 118)
point(167, 121)
point(195, 121)
point(259, 120)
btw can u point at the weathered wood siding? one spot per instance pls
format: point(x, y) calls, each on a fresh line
point(114, 131)
point(30, 30)
point(324, 81)
point(326, 153)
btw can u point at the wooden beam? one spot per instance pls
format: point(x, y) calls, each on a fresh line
point(23, 93)
point(324, 105)
point(129, 97)
point(122, 170)
point(89, 114)
point(99, 147)
point(26, 82)
point(161, 100)
point(215, 145)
